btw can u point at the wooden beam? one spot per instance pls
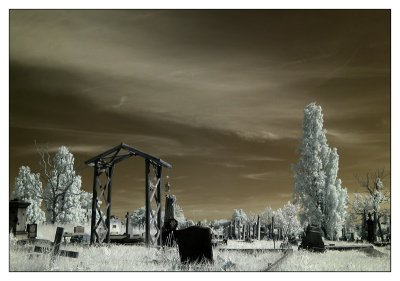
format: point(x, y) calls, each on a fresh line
point(147, 200)
point(94, 204)
point(62, 253)
point(159, 238)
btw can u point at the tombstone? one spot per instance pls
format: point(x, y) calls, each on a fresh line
point(128, 228)
point(194, 244)
point(344, 237)
point(79, 229)
point(170, 223)
point(312, 240)
point(169, 207)
point(17, 218)
point(263, 232)
point(370, 229)
point(32, 230)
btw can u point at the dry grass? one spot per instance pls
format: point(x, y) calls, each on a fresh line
point(138, 258)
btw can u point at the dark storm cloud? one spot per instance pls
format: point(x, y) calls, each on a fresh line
point(219, 94)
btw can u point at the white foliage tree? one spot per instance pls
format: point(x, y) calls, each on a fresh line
point(86, 205)
point(375, 196)
point(28, 187)
point(316, 187)
point(287, 219)
point(138, 217)
point(179, 215)
point(220, 223)
point(239, 215)
point(62, 194)
point(266, 215)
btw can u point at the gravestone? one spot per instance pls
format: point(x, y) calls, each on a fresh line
point(79, 229)
point(170, 223)
point(194, 244)
point(312, 240)
point(17, 218)
point(55, 251)
point(370, 229)
point(32, 230)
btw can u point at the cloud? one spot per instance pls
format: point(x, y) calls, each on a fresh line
point(197, 87)
point(257, 176)
point(121, 102)
point(264, 158)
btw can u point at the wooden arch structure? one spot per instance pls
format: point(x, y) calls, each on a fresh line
point(103, 164)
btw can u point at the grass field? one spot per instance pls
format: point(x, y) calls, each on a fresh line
point(139, 258)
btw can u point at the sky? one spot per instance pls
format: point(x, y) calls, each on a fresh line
point(219, 94)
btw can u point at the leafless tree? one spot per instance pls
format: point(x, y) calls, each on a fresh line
point(372, 182)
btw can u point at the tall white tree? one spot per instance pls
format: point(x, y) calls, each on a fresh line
point(266, 215)
point(239, 215)
point(316, 187)
point(62, 194)
point(86, 205)
point(28, 187)
point(287, 219)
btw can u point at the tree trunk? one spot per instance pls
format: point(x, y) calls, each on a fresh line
point(380, 229)
point(364, 226)
point(53, 219)
point(375, 224)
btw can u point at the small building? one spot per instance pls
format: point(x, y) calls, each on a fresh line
point(17, 219)
point(116, 226)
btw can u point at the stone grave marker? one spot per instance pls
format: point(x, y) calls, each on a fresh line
point(194, 244)
point(79, 229)
point(32, 230)
point(312, 240)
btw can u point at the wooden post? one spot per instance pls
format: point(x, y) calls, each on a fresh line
point(109, 189)
point(147, 193)
point(94, 206)
point(258, 228)
point(57, 242)
point(127, 228)
point(159, 171)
